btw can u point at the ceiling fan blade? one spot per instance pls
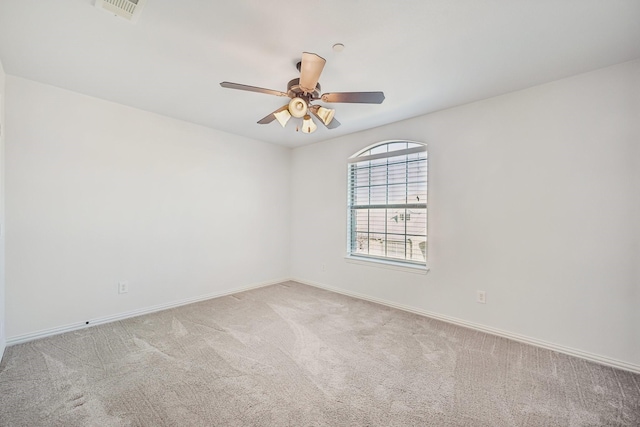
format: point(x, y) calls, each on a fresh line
point(310, 70)
point(354, 97)
point(230, 85)
point(271, 116)
point(332, 124)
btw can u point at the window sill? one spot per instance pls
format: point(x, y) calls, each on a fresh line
point(390, 265)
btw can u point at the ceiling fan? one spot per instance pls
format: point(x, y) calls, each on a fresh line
point(303, 91)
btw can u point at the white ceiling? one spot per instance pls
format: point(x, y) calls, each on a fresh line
point(425, 55)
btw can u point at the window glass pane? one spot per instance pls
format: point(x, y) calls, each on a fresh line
point(361, 243)
point(394, 146)
point(397, 159)
point(361, 176)
point(422, 155)
point(362, 220)
point(416, 193)
point(361, 196)
point(416, 171)
point(417, 222)
point(395, 221)
point(377, 245)
point(398, 193)
point(396, 247)
point(377, 220)
point(379, 149)
point(416, 248)
point(397, 173)
point(378, 174)
point(378, 195)
point(377, 162)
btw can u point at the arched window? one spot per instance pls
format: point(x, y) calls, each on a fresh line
point(388, 203)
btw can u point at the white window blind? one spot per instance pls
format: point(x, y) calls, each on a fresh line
point(387, 203)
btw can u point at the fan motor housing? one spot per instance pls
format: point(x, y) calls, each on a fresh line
point(294, 90)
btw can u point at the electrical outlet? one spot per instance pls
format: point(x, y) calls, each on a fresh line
point(123, 287)
point(481, 297)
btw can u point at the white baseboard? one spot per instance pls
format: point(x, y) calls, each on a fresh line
point(603, 360)
point(134, 313)
point(614, 363)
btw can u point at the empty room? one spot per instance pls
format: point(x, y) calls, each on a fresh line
point(336, 213)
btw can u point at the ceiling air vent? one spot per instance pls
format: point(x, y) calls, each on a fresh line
point(127, 9)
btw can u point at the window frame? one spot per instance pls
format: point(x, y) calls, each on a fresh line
point(385, 260)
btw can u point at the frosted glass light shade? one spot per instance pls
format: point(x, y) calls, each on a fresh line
point(310, 70)
point(298, 107)
point(325, 114)
point(308, 126)
point(283, 117)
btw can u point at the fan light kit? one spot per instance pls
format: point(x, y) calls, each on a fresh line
point(298, 107)
point(303, 91)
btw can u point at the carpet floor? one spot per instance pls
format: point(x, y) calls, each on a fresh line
point(294, 355)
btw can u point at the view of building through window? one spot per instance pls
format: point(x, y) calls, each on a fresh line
point(388, 202)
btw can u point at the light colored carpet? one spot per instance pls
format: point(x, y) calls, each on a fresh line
point(293, 355)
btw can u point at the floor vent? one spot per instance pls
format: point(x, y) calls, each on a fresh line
point(127, 9)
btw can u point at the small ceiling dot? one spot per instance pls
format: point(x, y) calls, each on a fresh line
point(338, 47)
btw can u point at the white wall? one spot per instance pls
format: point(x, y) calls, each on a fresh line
point(533, 197)
point(98, 192)
point(635, 135)
point(3, 337)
